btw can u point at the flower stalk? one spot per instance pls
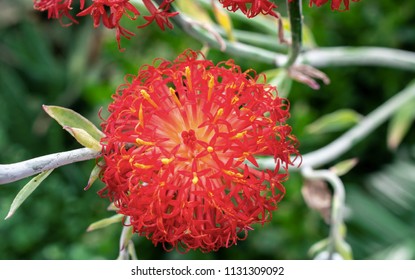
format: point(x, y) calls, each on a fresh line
point(17, 171)
point(296, 23)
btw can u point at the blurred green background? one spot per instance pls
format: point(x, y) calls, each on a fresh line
point(79, 67)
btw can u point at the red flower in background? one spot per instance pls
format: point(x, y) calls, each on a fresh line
point(57, 9)
point(178, 139)
point(250, 8)
point(109, 13)
point(335, 4)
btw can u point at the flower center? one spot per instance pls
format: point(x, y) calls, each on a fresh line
point(189, 138)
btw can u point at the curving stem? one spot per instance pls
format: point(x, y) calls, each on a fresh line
point(16, 171)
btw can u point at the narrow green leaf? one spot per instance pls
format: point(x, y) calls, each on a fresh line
point(84, 138)
point(94, 175)
point(26, 191)
point(344, 250)
point(70, 118)
point(336, 121)
point(126, 235)
point(400, 124)
point(318, 247)
point(105, 222)
point(344, 166)
point(131, 250)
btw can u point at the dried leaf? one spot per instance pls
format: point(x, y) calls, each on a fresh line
point(317, 196)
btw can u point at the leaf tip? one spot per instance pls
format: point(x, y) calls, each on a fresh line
point(9, 215)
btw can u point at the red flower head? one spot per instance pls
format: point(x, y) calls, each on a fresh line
point(109, 13)
point(335, 4)
point(178, 139)
point(57, 9)
point(250, 8)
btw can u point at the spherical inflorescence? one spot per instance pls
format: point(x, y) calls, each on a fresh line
point(180, 147)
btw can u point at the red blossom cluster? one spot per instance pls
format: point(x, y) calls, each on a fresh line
point(335, 4)
point(110, 12)
point(180, 152)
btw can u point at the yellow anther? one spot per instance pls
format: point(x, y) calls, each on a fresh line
point(144, 143)
point(175, 97)
point(147, 97)
point(188, 77)
point(167, 160)
point(142, 166)
point(141, 116)
point(234, 100)
point(195, 178)
point(239, 135)
point(218, 114)
point(209, 149)
point(211, 83)
point(233, 174)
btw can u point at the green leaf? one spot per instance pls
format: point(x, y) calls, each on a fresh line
point(105, 222)
point(126, 235)
point(336, 121)
point(400, 124)
point(84, 138)
point(318, 247)
point(69, 118)
point(26, 191)
point(131, 251)
point(94, 175)
point(344, 166)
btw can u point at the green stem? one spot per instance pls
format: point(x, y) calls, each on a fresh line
point(337, 205)
point(296, 23)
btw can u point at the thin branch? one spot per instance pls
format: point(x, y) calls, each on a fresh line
point(359, 56)
point(16, 171)
point(345, 142)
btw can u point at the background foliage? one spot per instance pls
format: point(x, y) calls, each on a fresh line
point(79, 67)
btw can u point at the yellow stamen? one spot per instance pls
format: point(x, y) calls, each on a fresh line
point(195, 178)
point(239, 135)
point(211, 83)
point(175, 98)
point(147, 97)
point(141, 116)
point(234, 100)
point(142, 166)
point(209, 149)
point(233, 174)
point(144, 143)
point(218, 114)
point(167, 160)
point(188, 77)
